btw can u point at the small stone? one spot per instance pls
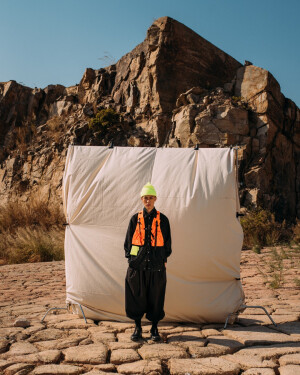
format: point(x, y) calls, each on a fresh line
point(121, 356)
point(21, 322)
point(93, 354)
point(289, 370)
point(290, 359)
point(162, 351)
point(57, 369)
point(143, 367)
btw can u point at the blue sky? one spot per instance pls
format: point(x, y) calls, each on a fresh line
point(53, 41)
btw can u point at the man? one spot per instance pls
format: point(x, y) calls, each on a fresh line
point(147, 246)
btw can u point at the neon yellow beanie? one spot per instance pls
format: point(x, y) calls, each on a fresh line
point(148, 189)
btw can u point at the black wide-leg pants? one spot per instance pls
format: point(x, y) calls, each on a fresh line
point(145, 293)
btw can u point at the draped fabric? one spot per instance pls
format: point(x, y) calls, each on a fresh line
point(196, 190)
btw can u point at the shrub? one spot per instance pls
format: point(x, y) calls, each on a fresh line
point(34, 212)
point(296, 232)
point(32, 245)
point(104, 119)
point(31, 232)
point(275, 264)
point(261, 229)
point(256, 249)
point(56, 128)
point(21, 141)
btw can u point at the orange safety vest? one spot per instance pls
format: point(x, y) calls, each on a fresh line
point(138, 238)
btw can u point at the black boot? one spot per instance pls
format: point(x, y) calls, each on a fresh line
point(154, 332)
point(137, 334)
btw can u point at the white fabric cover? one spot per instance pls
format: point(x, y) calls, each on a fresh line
point(196, 190)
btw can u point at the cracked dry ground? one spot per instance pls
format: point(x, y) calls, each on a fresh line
point(64, 344)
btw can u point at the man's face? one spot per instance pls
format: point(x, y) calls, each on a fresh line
point(149, 201)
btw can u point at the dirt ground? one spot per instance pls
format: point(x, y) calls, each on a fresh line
point(64, 344)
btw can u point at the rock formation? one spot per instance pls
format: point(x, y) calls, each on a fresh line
point(175, 89)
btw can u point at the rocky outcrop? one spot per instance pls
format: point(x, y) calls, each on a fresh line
point(146, 82)
point(175, 89)
point(251, 112)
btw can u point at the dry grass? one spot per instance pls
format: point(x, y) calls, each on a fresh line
point(261, 229)
point(31, 232)
point(31, 213)
point(55, 128)
point(21, 141)
point(277, 264)
point(296, 232)
point(32, 245)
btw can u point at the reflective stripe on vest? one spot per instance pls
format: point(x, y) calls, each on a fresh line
point(138, 238)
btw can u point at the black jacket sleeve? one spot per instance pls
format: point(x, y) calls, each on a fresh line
point(166, 231)
point(129, 234)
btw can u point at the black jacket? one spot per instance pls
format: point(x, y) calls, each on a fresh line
point(148, 257)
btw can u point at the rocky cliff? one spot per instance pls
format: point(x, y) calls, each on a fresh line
point(175, 89)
